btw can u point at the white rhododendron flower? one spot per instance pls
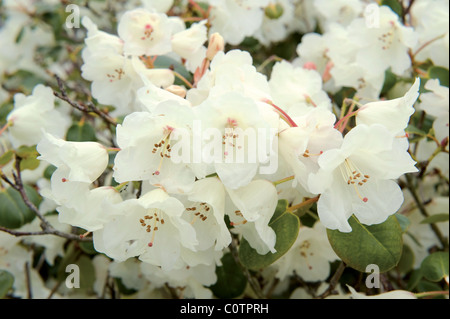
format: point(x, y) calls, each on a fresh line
point(357, 178)
point(145, 32)
point(86, 161)
point(33, 113)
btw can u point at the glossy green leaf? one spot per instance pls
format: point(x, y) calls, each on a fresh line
point(286, 226)
point(437, 72)
point(14, 213)
point(435, 266)
point(438, 218)
point(81, 132)
point(231, 281)
point(379, 244)
point(6, 282)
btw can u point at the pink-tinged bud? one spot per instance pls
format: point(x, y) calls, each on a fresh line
point(216, 44)
point(177, 90)
point(444, 142)
point(310, 66)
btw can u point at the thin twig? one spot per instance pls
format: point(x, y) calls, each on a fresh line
point(85, 108)
point(334, 281)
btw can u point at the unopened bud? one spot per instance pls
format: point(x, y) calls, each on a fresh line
point(216, 44)
point(177, 90)
point(444, 143)
point(273, 11)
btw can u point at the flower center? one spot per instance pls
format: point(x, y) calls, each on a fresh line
point(229, 138)
point(148, 30)
point(199, 211)
point(163, 146)
point(117, 75)
point(151, 222)
point(388, 37)
point(353, 176)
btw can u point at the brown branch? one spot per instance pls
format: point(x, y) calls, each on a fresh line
point(89, 107)
point(334, 281)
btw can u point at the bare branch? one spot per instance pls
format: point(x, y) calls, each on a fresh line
point(89, 107)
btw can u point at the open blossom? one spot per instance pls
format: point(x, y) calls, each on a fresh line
point(297, 90)
point(146, 142)
point(115, 77)
point(384, 46)
point(150, 227)
point(145, 32)
point(309, 257)
point(33, 113)
point(358, 178)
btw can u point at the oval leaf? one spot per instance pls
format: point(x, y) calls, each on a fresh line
point(13, 211)
point(285, 226)
point(376, 244)
point(231, 282)
point(435, 266)
point(6, 282)
point(81, 132)
point(437, 72)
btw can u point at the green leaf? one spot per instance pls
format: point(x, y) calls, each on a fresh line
point(14, 213)
point(27, 151)
point(81, 132)
point(389, 81)
point(122, 288)
point(406, 262)
point(437, 72)
point(403, 221)
point(438, 218)
point(379, 244)
point(435, 266)
point(286, 227)
point(231, 281)
point(394, 5)
point(6, 282)
point(29, 163)
point(6, 158)
point(411, 129)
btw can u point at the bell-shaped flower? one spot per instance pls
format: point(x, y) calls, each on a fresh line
point(250, 210)
point(146, 142)
point(33, 113)
point(206, 212)
point(86, 160)
point(150, 227)
point(358, 178)
point(309, 257)
point(238, 138)
point(297, 90)
point(145, 32)
point(393, 114)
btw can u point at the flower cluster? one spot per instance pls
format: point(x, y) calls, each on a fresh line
point(174, 149)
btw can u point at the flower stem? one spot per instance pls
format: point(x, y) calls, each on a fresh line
point(303, 204)
point(286, 179)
